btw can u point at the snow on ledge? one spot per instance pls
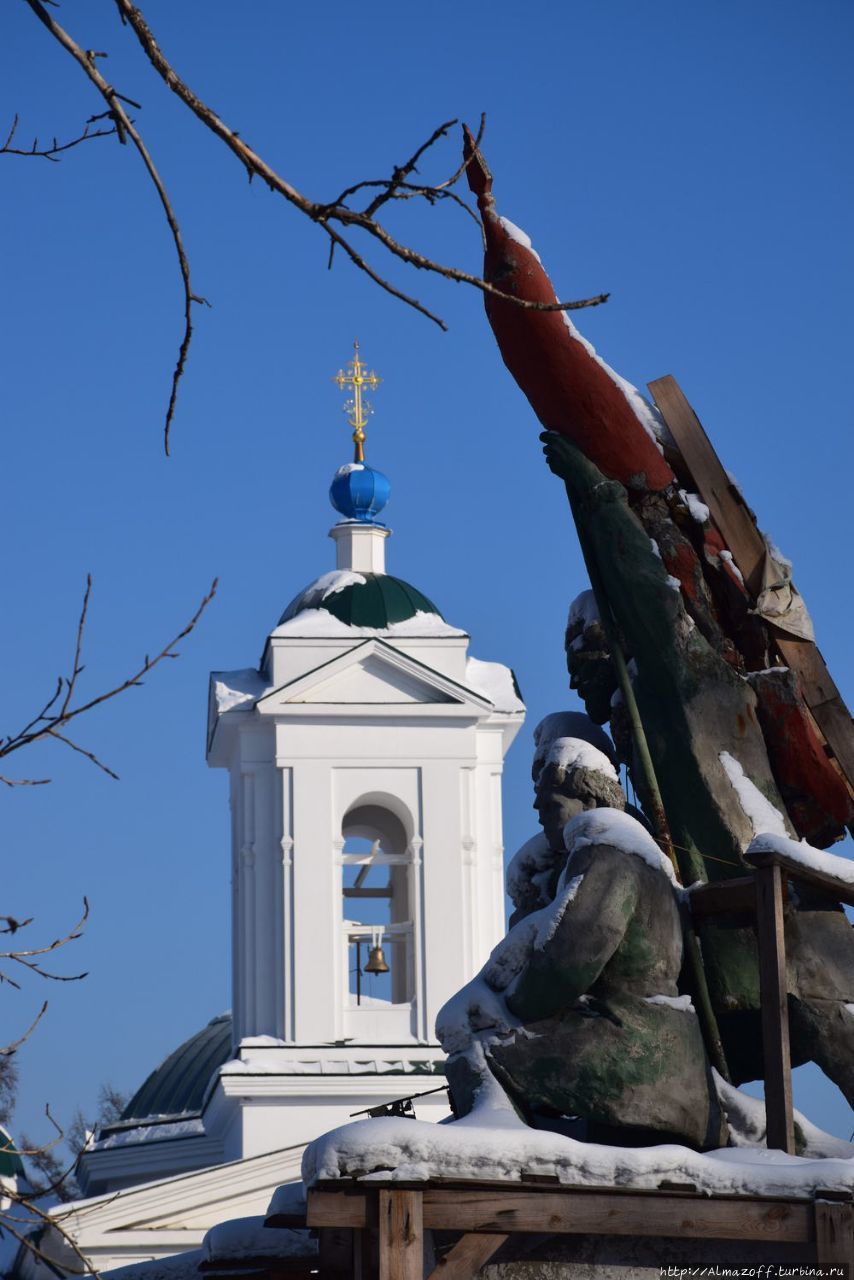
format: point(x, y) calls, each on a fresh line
point(490, 1145)
point(804, 854)
point(235, 690)
point(495, 683)
point(192, 1128)
point(239, 1239)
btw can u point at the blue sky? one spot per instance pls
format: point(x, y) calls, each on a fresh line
point(692, 159)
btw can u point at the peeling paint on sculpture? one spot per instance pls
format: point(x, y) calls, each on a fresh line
point(569, 389)
point(617, 433)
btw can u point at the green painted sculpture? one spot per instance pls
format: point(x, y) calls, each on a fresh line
point(578, 1013)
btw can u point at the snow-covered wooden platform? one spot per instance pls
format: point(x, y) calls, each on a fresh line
point(378, 1229)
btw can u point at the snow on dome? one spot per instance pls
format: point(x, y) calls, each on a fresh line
point(327, 585)
point(570, 724)
point(762, 814)
point(495, 682)
point(618, 831)
point(319, 623)
point(365, 603)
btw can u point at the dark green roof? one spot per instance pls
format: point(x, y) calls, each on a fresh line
point(177, 1086)
point(377, 602)
point(10, 1162)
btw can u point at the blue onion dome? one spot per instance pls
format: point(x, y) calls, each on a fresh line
point(374, 600)
point(359, 492)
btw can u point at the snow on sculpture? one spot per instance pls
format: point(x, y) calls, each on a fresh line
point(718, 739)
point(577, 1013)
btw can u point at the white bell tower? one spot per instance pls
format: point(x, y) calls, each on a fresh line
point(365, 760)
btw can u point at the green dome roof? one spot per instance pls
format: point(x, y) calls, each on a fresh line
point(373, 600)
point(11, 1165)
point(177, 1087)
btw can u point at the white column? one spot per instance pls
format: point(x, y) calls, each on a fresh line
point(447, 918)
point(285, 957)
point(246, 858)
point(360, 547)
point(316, 906)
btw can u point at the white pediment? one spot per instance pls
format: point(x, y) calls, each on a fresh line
point(371, 674)
point(372, 680)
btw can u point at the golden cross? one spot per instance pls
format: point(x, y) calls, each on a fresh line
point(357, 408)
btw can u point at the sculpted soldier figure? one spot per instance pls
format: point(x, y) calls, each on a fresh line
point(577, 1014)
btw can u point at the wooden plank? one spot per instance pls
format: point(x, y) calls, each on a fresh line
point(468, 1255)
point(823, 698)
point(833, 885)
point(335, 1249)
point(773, 988)
point(834, 1235)
point(337, 1209)
point(582, 1212)
point(732, 516)
point(728, 509)
point(721, 896)
point(401, 1235)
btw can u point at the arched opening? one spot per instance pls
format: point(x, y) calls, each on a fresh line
point(377, 908)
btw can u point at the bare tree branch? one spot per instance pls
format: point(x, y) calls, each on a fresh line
point(9, 1049)
point(12, 925)
point(24, 957)
point(32, 1241)
point(52, 152)
point(124, 126)
point(49, 722)
point(324, 214)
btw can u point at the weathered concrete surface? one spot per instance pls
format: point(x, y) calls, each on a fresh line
point(593, 1045)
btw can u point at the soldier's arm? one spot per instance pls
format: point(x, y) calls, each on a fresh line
point(579, 934)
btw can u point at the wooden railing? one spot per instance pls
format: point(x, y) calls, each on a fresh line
point(762, 894)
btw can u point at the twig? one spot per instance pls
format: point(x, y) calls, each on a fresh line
point(48, 722)
point(324, 214)
point(9, 1049)
point(124, 125)
point(320, 213)
point(74, 933)
point(52, 152)
point(12, 925)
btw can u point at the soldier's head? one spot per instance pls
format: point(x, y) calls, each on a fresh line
point(573, 770)
point(588, 658)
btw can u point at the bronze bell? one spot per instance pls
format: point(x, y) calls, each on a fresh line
point(376, 961)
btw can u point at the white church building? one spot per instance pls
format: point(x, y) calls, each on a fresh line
point(364, 759)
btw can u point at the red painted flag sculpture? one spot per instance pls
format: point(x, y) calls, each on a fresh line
point(573, 392)
point(712, 727)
